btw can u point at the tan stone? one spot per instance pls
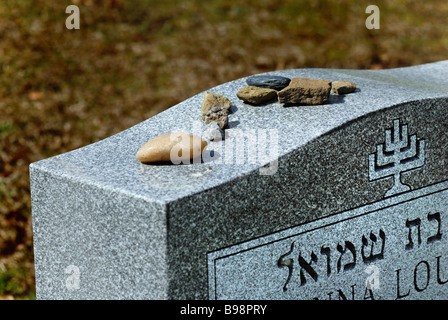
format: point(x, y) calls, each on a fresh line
point(174, 147)
point(305, 91)
point(343, 87)
point(214, 100)
point(256, 95)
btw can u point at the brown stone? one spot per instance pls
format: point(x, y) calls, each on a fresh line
point(256, 95)
point(171, 147)
point(305, 91)
point(214, 100)
point(343, 87)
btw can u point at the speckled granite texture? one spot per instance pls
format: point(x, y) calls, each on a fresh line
point(137, 231)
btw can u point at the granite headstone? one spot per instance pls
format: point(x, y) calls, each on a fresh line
point(345, 200)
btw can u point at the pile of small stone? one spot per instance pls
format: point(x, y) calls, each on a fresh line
point(261, 89)
point(215, 112)
point(296, 91)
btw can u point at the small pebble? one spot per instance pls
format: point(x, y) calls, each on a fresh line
point(256, 95)
point(343, 87)
point(185, 147)
point(305, 91)
point(270, 82)
point(214, 100)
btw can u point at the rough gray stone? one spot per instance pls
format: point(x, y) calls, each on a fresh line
point(219, 115)
point(228, 228)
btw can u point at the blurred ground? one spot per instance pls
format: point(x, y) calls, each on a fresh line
point(63, 89)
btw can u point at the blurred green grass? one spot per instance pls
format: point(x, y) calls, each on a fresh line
point(62, 89)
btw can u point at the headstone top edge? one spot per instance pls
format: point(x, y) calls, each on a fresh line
point(91, 158)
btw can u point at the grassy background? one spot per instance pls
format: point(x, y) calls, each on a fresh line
point(63, 89)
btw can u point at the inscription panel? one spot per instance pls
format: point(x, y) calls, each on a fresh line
point(393, 249)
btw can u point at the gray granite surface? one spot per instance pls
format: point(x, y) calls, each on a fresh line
point(139, 231)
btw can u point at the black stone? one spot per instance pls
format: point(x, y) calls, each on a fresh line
point(271, 82)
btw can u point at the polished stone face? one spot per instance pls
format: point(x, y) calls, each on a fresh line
point(392, 249)
point(336, 195)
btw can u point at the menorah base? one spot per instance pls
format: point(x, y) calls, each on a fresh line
point(397, 188)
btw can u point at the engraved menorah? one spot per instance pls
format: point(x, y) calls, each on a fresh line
point(399, 153)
